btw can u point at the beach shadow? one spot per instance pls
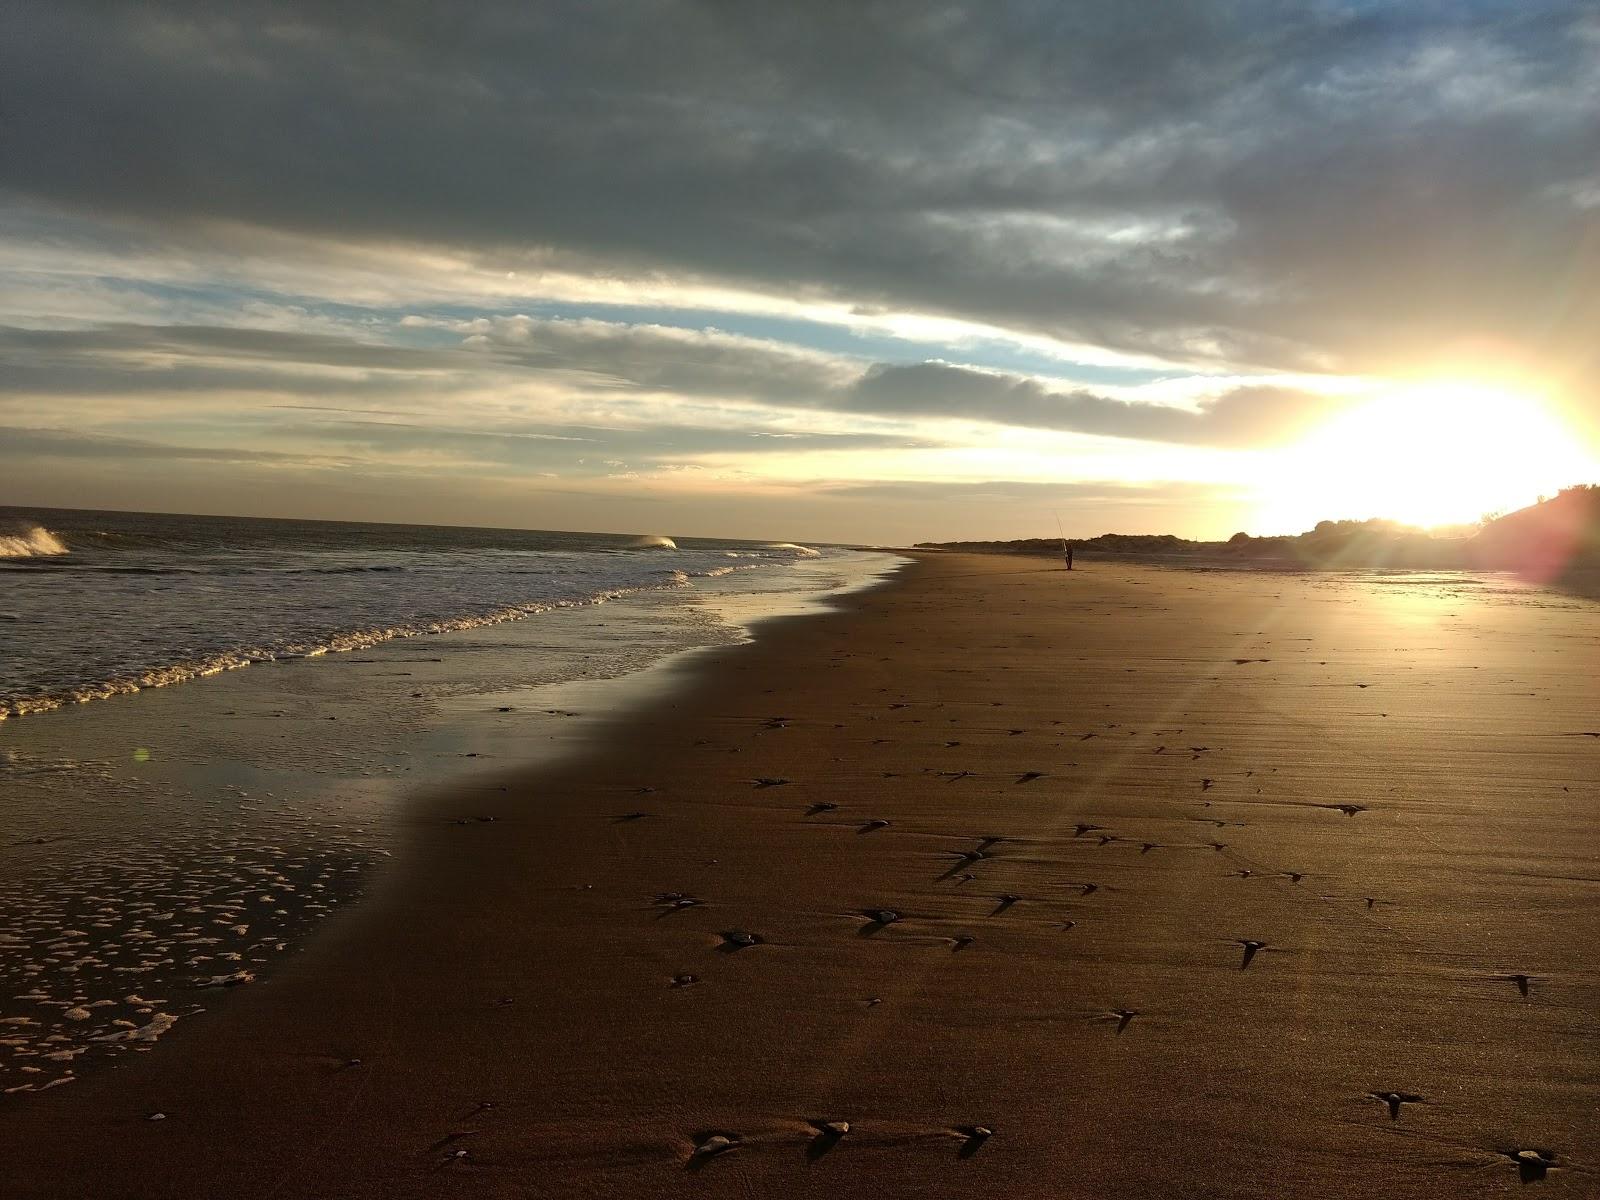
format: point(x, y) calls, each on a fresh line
point(710, 1145)
point(964, 859)
point(877, 920)
point(829, 1135)
point(1532, 1164)
point(975, 1136)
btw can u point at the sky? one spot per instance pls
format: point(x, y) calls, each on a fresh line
point(867, 272)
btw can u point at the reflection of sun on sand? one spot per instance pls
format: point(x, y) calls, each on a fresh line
point(1430, 455)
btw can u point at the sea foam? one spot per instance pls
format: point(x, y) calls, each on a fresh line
point(21, 540)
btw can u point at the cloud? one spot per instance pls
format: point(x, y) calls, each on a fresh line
point(615, 361)
point(1248, 416)
point(1257, 182)
point(708, 363)
point(29, 445)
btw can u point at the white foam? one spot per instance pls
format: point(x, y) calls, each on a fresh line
point(19, 539)
point(158, 1025)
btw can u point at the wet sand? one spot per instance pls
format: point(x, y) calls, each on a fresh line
point(1126, 882)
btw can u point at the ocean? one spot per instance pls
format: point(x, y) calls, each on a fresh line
point(171, 826)
point(94, 604)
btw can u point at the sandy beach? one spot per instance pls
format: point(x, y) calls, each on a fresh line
point(995, 880)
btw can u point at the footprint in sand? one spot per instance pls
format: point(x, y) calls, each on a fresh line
point(734, 940)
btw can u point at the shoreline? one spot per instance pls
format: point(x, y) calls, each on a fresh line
point(133, 828)
point(511, 992)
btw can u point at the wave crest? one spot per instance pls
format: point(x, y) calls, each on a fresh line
point(794, 548)
point(652, 541)
point(19, 539)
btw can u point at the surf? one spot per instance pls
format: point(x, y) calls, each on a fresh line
point(20, 539)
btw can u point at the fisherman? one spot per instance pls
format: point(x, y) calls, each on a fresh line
point(1068, 550)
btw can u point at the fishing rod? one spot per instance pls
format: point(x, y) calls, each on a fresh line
point(1066, 550)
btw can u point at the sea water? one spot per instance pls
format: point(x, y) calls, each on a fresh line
point(94, 604)
point(162, 845)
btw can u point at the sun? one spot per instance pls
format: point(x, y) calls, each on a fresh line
point(1442, 453)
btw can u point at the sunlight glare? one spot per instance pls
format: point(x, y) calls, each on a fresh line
point(1429, 455)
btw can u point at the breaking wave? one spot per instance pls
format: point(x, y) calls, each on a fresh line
point(652, 541)
point(21, 540)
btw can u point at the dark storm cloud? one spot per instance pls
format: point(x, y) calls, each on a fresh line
point(607, 360)
point(1293, 182)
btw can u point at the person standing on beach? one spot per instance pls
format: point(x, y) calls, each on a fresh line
point(1068, 550)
